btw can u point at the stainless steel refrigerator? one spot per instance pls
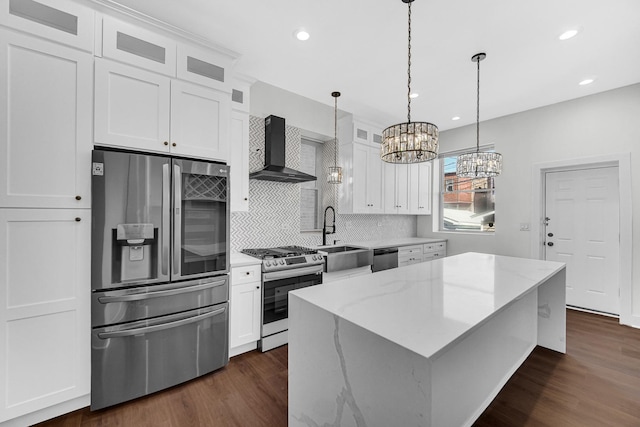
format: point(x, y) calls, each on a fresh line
point(159, 273)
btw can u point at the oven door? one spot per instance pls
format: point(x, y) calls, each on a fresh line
point(276, 287)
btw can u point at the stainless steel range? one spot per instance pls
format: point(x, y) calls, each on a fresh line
point(283, 269)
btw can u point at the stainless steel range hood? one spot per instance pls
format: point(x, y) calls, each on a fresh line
point(274, 155)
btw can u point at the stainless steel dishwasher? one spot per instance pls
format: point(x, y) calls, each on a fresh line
point(384, 259)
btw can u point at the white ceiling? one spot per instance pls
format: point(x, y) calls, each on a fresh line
point(359, 47)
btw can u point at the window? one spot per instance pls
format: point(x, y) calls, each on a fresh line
point(310, 192)
point(466, 204)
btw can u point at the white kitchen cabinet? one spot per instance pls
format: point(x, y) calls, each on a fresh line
point(45, 123)
point(245, 308)
point(63, 21)
point(409, 255)
point(137, 46)
point(142, 110)
point(199, 121)
point(434, 250)
point(239, 145)
point(205, 67)
point(45, 310)
point(420, 189)
point(239, 161)
point(361, 190)
point(396, 188)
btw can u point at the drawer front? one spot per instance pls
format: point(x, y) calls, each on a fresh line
point(247, 274)
point(410, 250)
point(435, 247)
point(433, 255)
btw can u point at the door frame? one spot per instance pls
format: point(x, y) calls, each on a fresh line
point(623, 162)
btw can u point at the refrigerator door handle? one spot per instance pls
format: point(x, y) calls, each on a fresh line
point(177, 221)
point(148, 295)
point(160, 327)
point(166, 218)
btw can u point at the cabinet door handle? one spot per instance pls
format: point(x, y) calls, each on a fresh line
point(78, 219)
point(166, 143)
point(173, 144)
point(257, 287)
point(248, 273)
point(78, 197)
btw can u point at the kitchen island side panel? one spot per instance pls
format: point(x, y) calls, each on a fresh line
point(343, 375)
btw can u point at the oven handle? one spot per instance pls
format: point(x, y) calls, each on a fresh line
point(158, 294)
point(294, 272)
point(155, 328)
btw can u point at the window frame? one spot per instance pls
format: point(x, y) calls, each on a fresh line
point(443, 182)
point(317, 186)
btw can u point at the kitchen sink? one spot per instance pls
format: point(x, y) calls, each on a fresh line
point(338, 258)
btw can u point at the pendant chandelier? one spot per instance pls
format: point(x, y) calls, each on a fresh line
point(335, 171)
point(409, 142)
point(479, 164)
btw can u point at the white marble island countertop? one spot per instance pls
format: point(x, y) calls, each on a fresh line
point(427, 307)
point(428, 345)
point(391, 243)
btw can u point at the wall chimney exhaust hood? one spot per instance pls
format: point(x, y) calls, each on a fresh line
point(274, 154)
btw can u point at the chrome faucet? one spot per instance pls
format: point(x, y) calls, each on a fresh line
point(324, 225)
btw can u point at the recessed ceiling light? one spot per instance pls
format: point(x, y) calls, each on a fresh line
point(455, 118)
point(301, 34)
point(568, 34)
point(586, 82)
point(414, 95)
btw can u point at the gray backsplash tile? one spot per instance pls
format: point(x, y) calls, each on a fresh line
point(274, 207)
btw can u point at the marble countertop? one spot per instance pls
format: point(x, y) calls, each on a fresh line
point(389, 243)
point(427, 307)
point(238, 259)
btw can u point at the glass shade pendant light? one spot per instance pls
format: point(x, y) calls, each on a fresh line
point(335, 171)
point(409, 142)
point(479, 164)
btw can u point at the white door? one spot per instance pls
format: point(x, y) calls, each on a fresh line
point(583, 226)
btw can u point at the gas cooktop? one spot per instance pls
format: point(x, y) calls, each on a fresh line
point(286, 257)
point(279, 252)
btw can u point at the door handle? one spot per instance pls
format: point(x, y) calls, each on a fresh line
point(550, 244)
point(160, 327)
point(550, 234)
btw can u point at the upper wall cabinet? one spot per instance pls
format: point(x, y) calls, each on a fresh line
point(204, 67)
point(133, 45)
point(61, 21)
point(138, 109)
point(420, 189)
point(45, 123)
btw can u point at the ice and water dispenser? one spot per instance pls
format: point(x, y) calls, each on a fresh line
point(134, 252)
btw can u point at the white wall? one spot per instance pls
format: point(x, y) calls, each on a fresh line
point(595, 125)
point(298, 111)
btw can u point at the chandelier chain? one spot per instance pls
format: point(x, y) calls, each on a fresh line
point(409, 70)
point(335, 133)
point(478, 111)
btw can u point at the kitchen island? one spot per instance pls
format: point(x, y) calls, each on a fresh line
point(430, 344)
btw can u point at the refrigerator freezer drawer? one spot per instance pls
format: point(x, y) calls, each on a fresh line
point(127, 305)
point(139, 358)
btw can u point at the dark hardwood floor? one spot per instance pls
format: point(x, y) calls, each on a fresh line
point(597, 383)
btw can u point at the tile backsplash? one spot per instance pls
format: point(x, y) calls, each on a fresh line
point(274, 207)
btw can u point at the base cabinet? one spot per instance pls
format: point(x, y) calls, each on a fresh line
point(44, 314)
point(245, 309)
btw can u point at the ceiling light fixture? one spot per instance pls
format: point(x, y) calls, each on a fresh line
point(568, 34)
point(302, 35)
point(586, 82)
point(414, 95)
point(479, 164)
point(335, 171)
point(409, 142)
point(455, 118)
